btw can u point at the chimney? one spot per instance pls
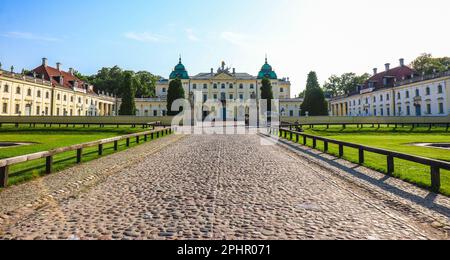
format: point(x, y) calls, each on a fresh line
point(212, 71)
point(375, 71)
point(44, 62)
point(402, 62)
point(12, 69)
point(71, 71)
point(387, 66)
point(234, 71)
point(58, 66)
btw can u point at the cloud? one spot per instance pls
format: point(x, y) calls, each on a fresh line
point(30, 36)
point(145, 37)
point(191, 35)
point(234, 38)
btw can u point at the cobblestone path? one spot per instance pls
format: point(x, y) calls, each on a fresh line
point(217, 187)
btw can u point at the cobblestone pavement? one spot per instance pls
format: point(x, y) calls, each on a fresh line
point(220, 187)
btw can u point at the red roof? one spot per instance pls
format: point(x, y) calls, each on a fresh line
point(392, 75)
point(53, 75)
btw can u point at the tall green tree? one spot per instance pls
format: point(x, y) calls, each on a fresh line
point(146, 84)
point(314, 102)
point(174, 92)
point(426, 64)
point(128, 106)
point(267, 93)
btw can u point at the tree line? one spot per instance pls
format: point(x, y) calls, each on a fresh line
point(125, 84)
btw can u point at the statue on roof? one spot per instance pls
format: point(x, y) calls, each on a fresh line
point(222, 69)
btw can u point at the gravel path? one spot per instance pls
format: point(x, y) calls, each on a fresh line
point(217, 187)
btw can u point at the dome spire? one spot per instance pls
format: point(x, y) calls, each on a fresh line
point(266, 58)
point(180, 59)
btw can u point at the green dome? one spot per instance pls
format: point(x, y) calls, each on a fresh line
point(179, 72)
point(267, 72)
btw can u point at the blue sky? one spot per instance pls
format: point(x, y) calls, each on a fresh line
point(297, 35)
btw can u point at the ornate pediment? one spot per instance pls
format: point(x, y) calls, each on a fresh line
point(223, 76)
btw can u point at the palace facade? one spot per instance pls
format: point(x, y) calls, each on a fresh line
point(225, 85)
point(399, 91)
point(50, 91)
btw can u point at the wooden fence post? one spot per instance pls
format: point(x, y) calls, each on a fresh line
point(48, 164)
point(79, 155)
point(157, 134)
point(297, 138)
point(435, 179)
point(341, 150)
point(100, 149)
point(116, 145)
point(305, 141)
point(138, 140)
point(128, 142)
point(4, 171)
point(361, 156)
point(145, 138)
point(390, 165)
point(314, 143)
point(325, 146)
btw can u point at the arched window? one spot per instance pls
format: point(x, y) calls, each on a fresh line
point(38, 93)
point(58, 97)
point(29, 92)
point(252, 86)
point(6, 89)
point(241, 86)
point(417, 92)
point(407, 94)
point(215, 85)
point(399, 96)
point(440, 89)
point(223, 86)
point(47, 95)
point(194, 86)
point(428, 91)
point(18, 90)
point(205, 86)
point(231, 86)
point(65, 98)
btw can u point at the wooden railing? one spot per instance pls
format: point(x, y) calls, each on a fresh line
point(5, 164)
point(435, 165)
point(394, 124)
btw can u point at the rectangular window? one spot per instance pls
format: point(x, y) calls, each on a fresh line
point(291, 113)
point(231, 96)
point(375, 112)
point(381, 112)
point(17, 109)
point(38, 110)
point(281, 90)
point(155, 113)
point(194, 86)
point(5, 108)
point(46, 111)
point(388, 110)
point(441, 108)
point(57, 111)
point(407, 94)
point(429, 109)
point(205, 98)
point(399, 110)
point(241, 96)
point(215, 96)
point(408, 110)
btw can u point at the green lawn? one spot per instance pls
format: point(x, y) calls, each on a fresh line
point(45, 139)
point(401, 140)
